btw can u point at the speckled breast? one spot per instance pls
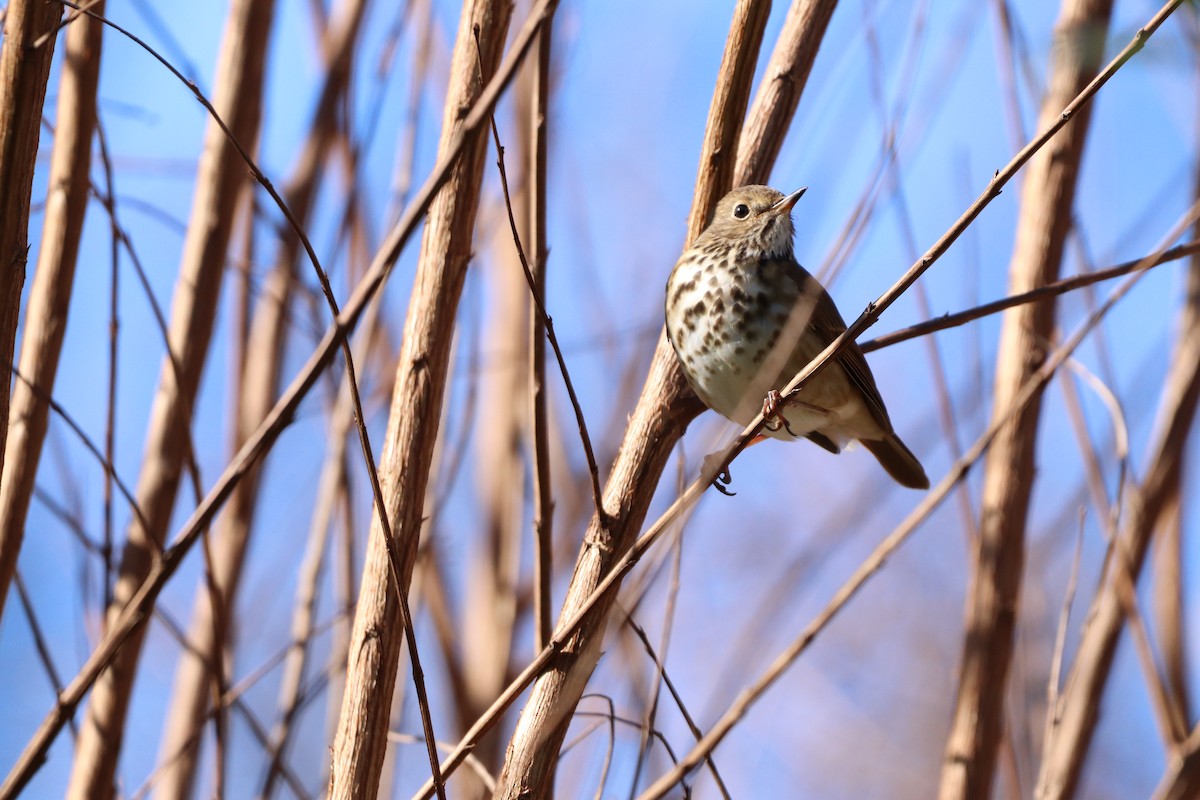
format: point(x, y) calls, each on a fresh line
point(723, 319)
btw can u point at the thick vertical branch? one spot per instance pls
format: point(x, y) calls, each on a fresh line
point(1045, 218)
point(1064, 754)
point(783, 83)
point(258, 391)
point(50, 296)
point(413, 422)
point(220, 179)
point(663, 412)
point(1169, 590)
point(24, 68)
point(727, 111)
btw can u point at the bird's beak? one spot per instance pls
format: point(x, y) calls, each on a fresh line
point(786, 203)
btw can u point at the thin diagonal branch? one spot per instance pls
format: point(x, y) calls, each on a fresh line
point(1059, 287)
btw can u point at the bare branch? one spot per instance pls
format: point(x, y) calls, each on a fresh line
point(543, 494)
point(24, 70)
point(49, 299)
point(1054, 289)
point(361, 739)
point(1047, 202)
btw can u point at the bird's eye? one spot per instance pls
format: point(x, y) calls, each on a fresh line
point(741, 211)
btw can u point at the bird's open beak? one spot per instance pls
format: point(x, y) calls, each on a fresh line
point(786, 203)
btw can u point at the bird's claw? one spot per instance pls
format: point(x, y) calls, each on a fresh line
point(773, 419)
point(722, 479)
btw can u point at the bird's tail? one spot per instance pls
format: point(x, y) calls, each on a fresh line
point(899, 461)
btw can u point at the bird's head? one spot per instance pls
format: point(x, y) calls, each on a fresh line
point(758, 217)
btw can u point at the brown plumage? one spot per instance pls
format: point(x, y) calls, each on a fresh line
point(745, 317)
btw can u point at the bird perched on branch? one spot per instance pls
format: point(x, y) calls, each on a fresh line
point(744, 317)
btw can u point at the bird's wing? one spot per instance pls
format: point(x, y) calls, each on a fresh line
point(828, 324)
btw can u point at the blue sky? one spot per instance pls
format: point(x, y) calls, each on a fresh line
point(633, 82)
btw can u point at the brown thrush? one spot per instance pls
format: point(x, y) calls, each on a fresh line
point(745, 317)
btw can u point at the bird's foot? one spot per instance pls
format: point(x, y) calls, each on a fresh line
point(773, 418)
point(722, 479)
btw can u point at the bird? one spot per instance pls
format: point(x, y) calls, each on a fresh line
point(744, 317)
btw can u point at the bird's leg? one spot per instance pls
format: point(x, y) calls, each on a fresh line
point(723, 478)
point(773, 421)
point(773, 418)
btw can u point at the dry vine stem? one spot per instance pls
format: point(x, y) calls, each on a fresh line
point(480, 659)
point(121, 626)
point(543, 513)
point(662, 412)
